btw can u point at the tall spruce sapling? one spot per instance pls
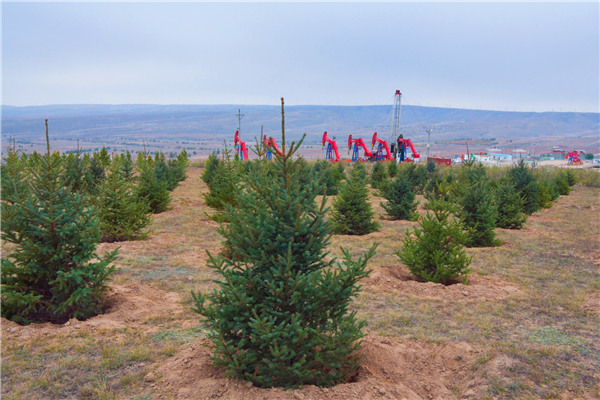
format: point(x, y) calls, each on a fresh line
point(415, 174)
point(431, 167)
point(479, 214)
point(53, 273)
point(211, 168)
point(510, 206)
point(379, 175)
point(34, 160)
point(281, 316)
point(352, 213)
point(528, 188)
point(323, 171)
point(74, 172)
point(435, 250)
point(94, 175)
point(548, 192)
point(361, 170)
point(392, 168)
point(222, 187)
point(126, 168)
point(103, 157)
point(14, 175)
point(123, 215)
point(304, 171)
point(151, 190)
point(571, 177)
point(401, 203)
point(339, 172)
point(561, 183)
point(478, 208)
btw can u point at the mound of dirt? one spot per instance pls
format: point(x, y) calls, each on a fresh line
point(398, 279)
point(127, 305)
point(390, 369)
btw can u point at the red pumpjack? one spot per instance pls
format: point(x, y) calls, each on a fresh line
point(270, 143)
point(382, 145)
point(331, 148)
point(402, 143)
point(240, 147)
point(356, 143)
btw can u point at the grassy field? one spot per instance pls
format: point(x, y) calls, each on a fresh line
point(542, 342)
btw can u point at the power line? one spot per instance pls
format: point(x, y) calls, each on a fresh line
point(426, 129)
point(369, 124)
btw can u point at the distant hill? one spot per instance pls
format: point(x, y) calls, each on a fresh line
point(194, 121)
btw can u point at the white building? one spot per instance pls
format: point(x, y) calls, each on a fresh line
point(501, 157)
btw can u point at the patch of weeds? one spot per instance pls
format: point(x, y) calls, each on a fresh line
point(486, 357)
point(590, 352)
point(496, 387)
point(161, 274)
point(178, 336)
point(98, 389)
point(550, 336)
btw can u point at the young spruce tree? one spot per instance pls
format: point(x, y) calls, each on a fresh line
point(352, 212)
point(526, 186)
point(401, 203)
point(477, 204)
point(280, 317)
point(53, 273)
point(151, 190)
point(123, 215)
point(510, 206)
point(435, 250)
point(379, 176)
point(222, 186)
point(211, 168)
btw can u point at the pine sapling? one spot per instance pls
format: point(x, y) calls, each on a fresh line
point(401, 203)
point(280, 314)
point(435, 250)
point(123, 215)
point(510, 207)
point(352, 212)
point(53, 273)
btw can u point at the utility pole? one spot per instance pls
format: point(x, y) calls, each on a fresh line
point(396, 117)
point(240, 116)
point(428, 141)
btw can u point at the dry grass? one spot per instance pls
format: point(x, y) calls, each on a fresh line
point(547, 338)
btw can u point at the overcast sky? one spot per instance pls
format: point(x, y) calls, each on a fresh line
point(500, 56)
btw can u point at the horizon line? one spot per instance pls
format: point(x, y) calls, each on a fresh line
point(302, 105)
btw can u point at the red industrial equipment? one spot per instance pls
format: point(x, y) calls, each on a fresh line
point(441, 161)
point(401, 149)
point(240, 147)
point(270, 143)
point(573, 158)
point(382, 145)
point(331, 147)
point(356, 143)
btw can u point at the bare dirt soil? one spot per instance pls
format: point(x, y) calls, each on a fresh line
point(390, 369)
point(398, 279)
point(126, 307)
